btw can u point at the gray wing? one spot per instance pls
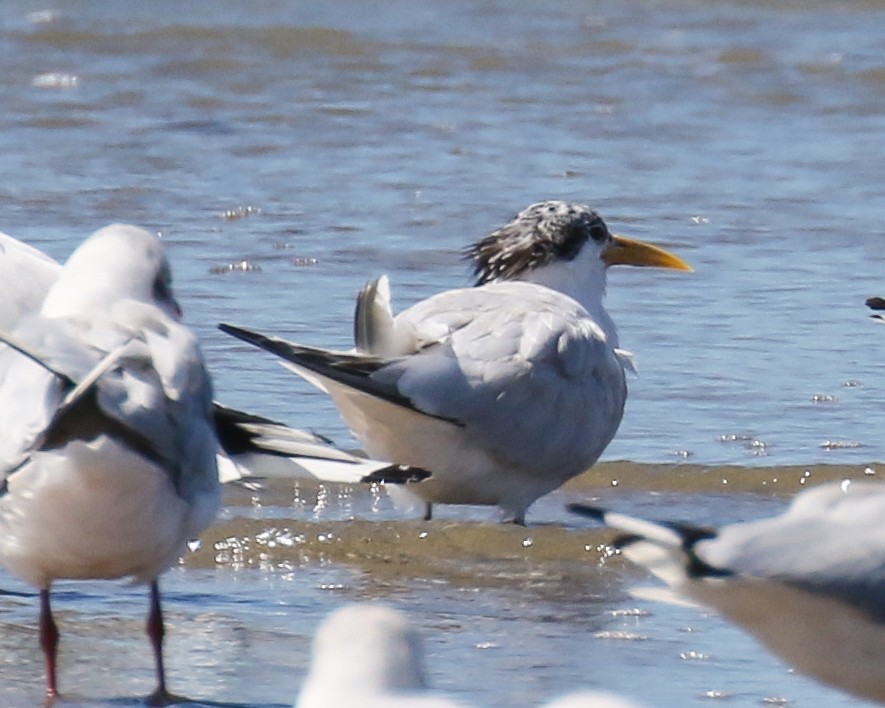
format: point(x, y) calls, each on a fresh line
point(519, 364)
point(522, 366)
point(136, 376)
point(830, 541)
point(26, 275)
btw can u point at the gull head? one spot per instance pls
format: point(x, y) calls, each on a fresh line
point(116, 262)
point(362, 651)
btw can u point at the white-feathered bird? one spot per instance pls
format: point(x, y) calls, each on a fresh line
point(809, 584)
point(26, 275)
point(252, 445)
point(107, 458)
point(591, 699)
point(367, 655)
point(502, 391)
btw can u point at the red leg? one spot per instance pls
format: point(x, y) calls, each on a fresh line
point(156, 631)
point(48, 642)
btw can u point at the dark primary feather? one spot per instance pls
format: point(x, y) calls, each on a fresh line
point(597, 513)
point(235, 437)
point(352, 370)
point(540, 234)
point(397, 474)
point(689, 535)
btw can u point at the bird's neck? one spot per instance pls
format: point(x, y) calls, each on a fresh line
point(584, 285)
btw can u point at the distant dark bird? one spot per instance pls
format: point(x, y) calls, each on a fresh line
point(876, 303)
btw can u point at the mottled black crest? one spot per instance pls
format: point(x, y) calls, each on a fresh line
point(542, 233)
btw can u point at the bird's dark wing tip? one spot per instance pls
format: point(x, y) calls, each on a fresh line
point(875, 303)
point(397, 474)
point(238, 332)
point(591, 512)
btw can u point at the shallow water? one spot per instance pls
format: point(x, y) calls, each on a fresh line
point(326, 143)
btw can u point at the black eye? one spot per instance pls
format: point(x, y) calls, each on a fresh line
point(598, 232)
point(570, 240)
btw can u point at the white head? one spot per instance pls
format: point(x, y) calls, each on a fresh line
point(116, 262)
point(360, 652)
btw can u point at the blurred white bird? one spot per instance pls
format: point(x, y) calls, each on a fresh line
point(252, 445)
point(809, 584)
point(503, 391)
point(107, 458)
point(591, 699)
point(367, 656)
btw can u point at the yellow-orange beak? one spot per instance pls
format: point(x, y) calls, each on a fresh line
point(628, 251)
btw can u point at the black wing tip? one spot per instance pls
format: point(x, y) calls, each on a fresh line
point(226, 415)
point(623, 540)
point(269, 343)
point(695, 567)
point(875, 303)
point(263, 341)
point(397, 474)
point(232, 436)
point(247, 335)
point(690, 533)
point(588, 511)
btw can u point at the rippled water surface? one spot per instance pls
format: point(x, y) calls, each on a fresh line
point(288, 151)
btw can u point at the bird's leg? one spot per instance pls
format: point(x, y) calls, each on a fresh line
point(49, 643)
point(156, 631)
point(428, 511)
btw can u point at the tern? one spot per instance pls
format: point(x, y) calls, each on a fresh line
point(107, 458)
point(251, 445)
point(808, 583)
point(502, 391)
